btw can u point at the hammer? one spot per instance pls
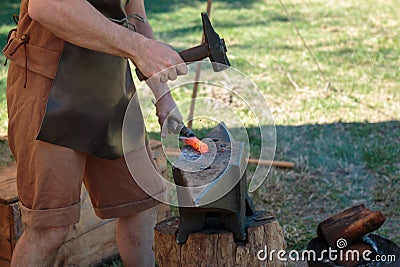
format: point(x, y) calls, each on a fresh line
point(214, 47)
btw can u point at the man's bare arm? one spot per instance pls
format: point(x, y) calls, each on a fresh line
point(78, 22)
point(165, 104)
point(137, 7)
point(144, 28)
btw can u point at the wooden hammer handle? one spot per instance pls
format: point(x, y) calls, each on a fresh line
point(196, 53)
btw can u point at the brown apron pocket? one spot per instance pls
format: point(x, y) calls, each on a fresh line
point(34, 58)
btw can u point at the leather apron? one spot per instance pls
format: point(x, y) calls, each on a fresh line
point(89, 97)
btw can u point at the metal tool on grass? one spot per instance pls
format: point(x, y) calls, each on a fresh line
point(213, 47)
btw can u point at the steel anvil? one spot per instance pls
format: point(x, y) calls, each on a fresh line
point(213, 194)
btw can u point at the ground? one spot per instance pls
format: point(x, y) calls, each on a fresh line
point(338, 122)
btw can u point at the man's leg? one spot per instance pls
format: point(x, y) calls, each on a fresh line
point(49, 183)
point(115, 194)
point(135, 236)
point(38, 247)
point(49, 177)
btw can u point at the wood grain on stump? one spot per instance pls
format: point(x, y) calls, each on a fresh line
point(214, 248)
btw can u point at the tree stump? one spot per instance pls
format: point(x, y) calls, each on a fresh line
point(214, 248)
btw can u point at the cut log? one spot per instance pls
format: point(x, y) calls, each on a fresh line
point(350, 225)
point(218, 247)
point(5, 231)
point(89, 248)
point(8, 186)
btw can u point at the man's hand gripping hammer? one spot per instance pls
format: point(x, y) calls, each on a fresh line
point(214, 47)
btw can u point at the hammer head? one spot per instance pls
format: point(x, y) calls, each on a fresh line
point(216, 45)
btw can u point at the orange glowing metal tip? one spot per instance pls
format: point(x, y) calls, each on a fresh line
point(194, 142)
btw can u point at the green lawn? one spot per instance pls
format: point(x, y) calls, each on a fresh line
point(8, 8)
point(344, 139)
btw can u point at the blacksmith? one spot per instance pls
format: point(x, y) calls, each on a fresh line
point(68, 86)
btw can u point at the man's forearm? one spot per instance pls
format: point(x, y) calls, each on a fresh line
point(78, 22)
point(136, 7)
point(159, 89)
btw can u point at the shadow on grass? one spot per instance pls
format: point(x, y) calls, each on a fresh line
point(226, 24)
point(337, 166)
point(166, 6)
point(375, 146)
point(8, 8)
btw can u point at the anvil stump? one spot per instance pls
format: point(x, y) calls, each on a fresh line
point(215, 248)
point(218, 224)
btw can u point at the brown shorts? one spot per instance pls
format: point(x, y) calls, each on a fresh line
point(49, 177)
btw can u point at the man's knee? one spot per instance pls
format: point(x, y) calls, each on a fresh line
point(51, 238)
point(58, 234)
point(139, 225)
point(143, 216)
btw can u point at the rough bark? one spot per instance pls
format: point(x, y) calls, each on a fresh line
point(218, 247)
point(350, 225)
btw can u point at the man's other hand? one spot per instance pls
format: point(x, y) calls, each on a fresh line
point(166, 109)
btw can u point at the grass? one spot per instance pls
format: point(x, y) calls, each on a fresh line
point(8, 8)
point(358, 165)
point(345, 140)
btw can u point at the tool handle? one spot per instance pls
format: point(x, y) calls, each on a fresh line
point(196, 53)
